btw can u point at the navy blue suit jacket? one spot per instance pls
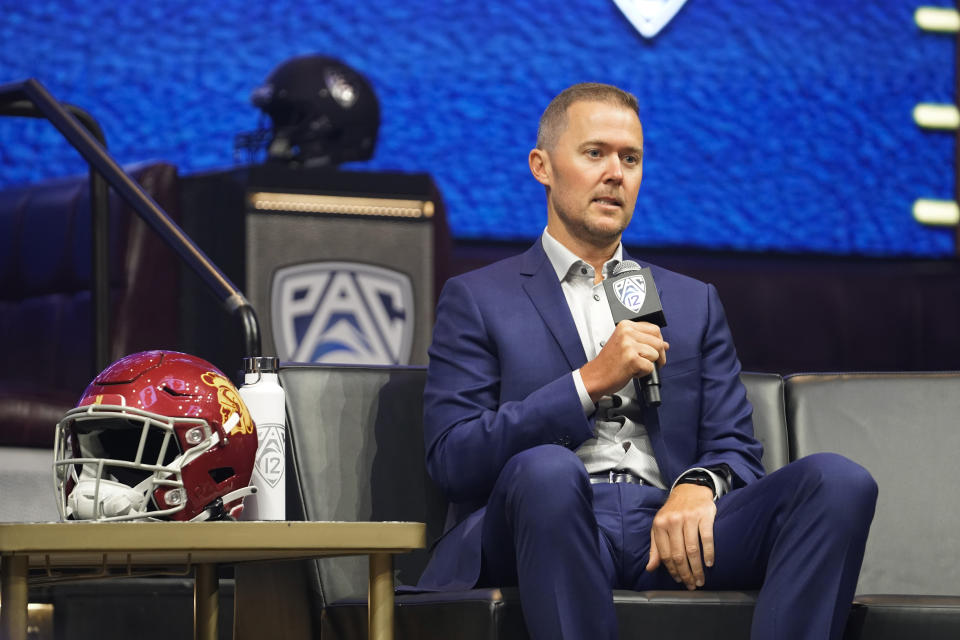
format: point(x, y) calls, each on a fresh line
point(499, 382)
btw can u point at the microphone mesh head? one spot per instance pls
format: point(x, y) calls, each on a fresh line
point(625, 266)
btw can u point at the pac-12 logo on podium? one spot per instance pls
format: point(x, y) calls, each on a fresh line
point(342, 312)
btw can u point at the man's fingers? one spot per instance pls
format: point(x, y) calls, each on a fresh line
point(691, 545)
point(646, 327)
point(706, 539)
point(654, 561)
point(649, 353)
point(629, 353)
point(678, 551)
point(643, 332)
point(663, 550)
point(683, 533)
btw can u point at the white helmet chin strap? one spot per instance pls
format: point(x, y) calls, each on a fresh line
point(115, 500)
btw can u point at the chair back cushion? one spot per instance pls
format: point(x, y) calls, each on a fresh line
point(903, 428)
point(765, 393)
point(356, 453)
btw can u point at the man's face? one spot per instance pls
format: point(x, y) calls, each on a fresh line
point(592, 173)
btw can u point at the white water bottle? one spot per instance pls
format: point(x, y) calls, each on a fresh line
point(264, 397)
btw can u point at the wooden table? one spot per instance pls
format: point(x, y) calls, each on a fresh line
point(52, 546)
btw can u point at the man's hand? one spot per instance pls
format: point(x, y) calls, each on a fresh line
point(629, 353)
point(679, 527)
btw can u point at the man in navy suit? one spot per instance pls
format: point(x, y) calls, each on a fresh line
point(562, 480)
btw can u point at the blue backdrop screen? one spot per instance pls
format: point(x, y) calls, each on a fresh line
point(778, 125)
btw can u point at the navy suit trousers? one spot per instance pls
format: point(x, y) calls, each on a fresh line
point(797, 535)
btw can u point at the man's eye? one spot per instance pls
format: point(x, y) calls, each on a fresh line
point(631, 159)
point(593, 153)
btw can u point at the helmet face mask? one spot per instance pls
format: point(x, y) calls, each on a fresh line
point(187, 456)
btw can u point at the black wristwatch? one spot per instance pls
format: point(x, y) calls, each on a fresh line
point(701, 478)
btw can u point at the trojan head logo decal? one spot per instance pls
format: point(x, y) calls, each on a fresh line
point(342, 312)
point(105, 398)
point(649, 16)
point(230, 403)
point(631, 292)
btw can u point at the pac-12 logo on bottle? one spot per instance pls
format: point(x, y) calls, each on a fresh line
point(342, 312)
point(631, 292)
point(270, 453)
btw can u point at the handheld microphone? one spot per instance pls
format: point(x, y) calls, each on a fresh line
point(632, 295)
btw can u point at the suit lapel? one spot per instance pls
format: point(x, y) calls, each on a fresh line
point(542, 286)
point(651, 415)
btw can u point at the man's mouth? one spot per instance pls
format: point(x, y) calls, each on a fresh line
point(608, 201)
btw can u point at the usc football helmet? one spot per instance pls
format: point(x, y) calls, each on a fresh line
point(158, 434)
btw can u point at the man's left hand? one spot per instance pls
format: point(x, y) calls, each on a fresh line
point(679, 528)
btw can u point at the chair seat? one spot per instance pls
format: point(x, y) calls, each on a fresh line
point(495, 614)
point(890, 617)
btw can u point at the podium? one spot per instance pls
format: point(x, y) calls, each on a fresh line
point(341, 266)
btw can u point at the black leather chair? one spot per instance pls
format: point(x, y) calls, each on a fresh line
point(356, 449)
point(45, 279)
point(903, 427)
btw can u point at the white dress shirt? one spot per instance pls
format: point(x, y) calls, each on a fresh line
point(620, 439)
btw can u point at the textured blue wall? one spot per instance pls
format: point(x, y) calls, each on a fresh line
point(774, 125)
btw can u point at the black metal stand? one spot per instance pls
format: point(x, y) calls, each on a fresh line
point(30, 99)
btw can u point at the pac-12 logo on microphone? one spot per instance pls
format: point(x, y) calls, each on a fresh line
point(649, 16)
point(631, 292)
point(342, 312)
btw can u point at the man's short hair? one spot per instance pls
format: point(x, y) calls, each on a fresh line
point(554, 116)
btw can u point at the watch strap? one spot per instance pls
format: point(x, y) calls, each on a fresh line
point(701, 478)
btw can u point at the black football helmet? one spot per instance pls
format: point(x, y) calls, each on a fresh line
point(322, 112)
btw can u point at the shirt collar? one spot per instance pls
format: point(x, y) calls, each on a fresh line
point(563, 260)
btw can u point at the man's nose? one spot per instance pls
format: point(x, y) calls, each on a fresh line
point(613, 171)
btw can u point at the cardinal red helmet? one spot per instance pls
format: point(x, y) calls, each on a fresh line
point(158, 434)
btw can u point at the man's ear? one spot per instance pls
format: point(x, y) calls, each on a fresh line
point(540, 166)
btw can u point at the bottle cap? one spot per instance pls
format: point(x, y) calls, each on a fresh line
point(261, 364)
